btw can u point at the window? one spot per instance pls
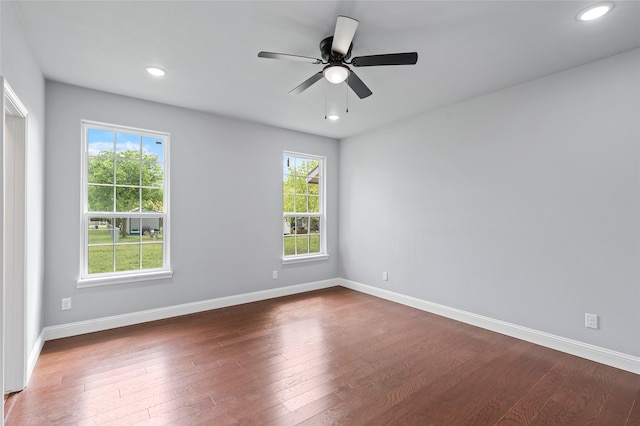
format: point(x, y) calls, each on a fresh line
point(125, 221)
point(304, 233)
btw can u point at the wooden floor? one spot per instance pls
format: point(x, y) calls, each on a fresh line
point(333, 356)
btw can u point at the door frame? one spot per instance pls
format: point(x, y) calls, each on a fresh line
point(14, 243)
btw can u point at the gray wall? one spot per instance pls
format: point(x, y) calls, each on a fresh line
point(226, 214)
point(22, 72)
point(521, 205)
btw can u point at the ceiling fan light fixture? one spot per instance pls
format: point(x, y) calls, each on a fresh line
point(595, 11)
point(336, 73)
point(333, 117)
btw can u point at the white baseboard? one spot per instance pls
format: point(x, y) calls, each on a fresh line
point(573, 347)
point(100, 324)
point(34, 355)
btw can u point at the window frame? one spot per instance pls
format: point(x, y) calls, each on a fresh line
point(322, 254)
point(108, 278)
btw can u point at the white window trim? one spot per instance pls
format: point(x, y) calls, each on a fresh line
point(123, 278)
point(323, 254)
point(85, 280)
point(302, 258)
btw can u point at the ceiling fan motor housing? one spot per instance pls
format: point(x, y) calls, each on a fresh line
point(330, 56)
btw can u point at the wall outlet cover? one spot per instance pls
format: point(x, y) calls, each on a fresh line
point(66, 304)
point(591, 321)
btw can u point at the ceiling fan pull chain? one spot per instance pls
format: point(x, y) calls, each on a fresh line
point(346, 86)
point(325, 102)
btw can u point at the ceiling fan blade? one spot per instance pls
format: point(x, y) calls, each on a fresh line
point(409, 58)
point(358, 86)
point(343, 35)
point(297, 58)
point(306, 84)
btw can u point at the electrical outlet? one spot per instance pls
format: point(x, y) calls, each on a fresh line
point(385, 276)
point(66, 304)
point(275, 275)
point(591, 321)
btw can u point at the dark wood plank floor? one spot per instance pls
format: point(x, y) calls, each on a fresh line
point(333, 356)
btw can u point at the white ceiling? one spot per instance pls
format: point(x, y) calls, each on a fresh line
point(209, 50)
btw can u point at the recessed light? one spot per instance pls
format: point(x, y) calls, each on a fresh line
point(155, 71)
point(595, 11)
point(333, 117)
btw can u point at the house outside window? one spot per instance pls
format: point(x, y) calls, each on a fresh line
point(304, 229)
point(125, 214)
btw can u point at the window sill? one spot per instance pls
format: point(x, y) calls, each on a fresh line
point(302, 259)
point(121, 279)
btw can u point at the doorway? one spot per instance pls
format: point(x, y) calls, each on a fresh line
point(12, 324)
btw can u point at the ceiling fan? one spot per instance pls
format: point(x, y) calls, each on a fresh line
point(336, 51)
